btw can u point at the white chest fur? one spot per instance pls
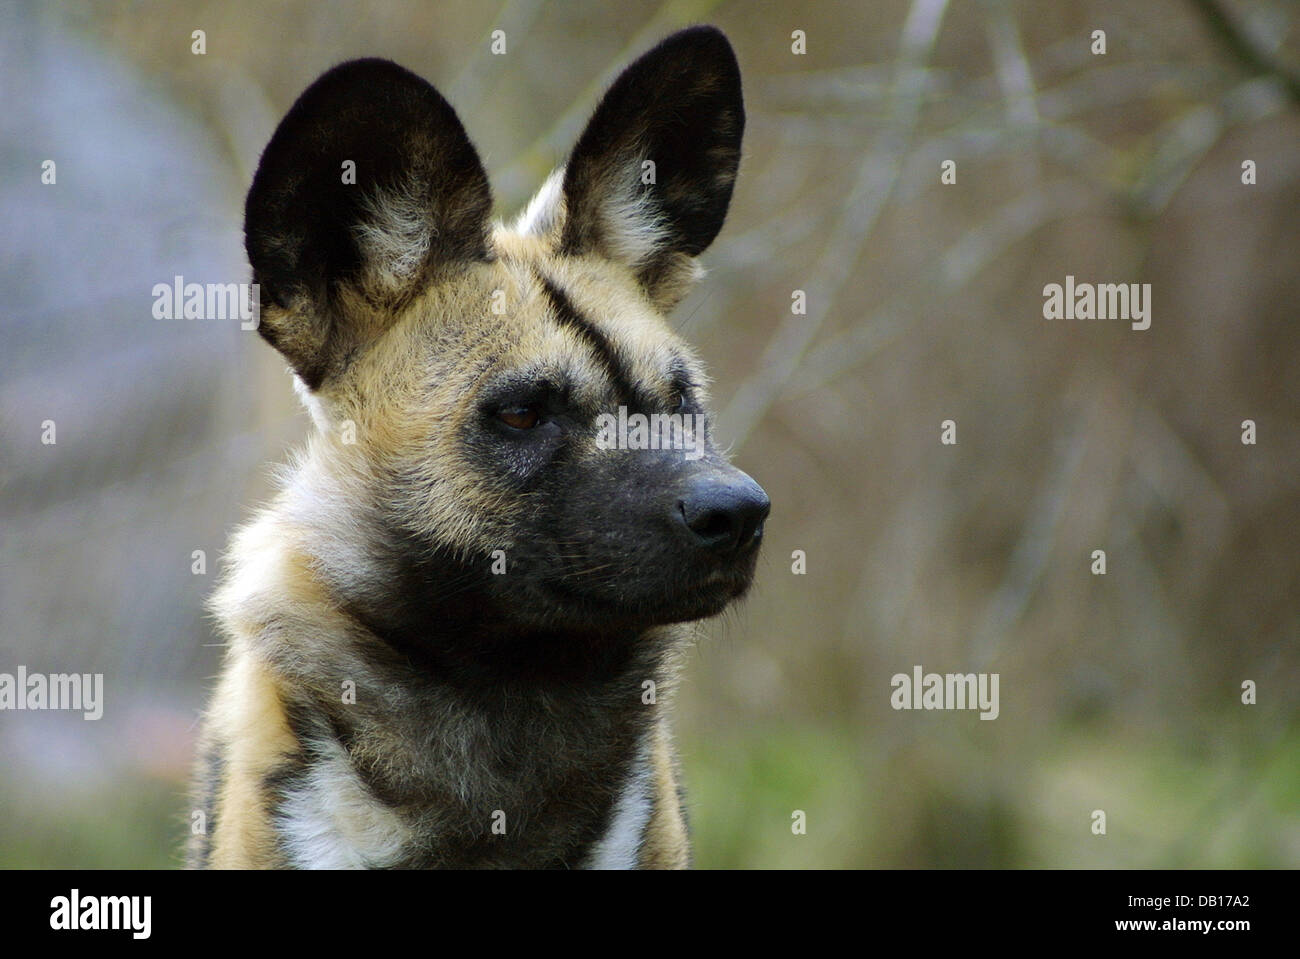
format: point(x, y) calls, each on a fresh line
point(620, 846)
point(331, 822)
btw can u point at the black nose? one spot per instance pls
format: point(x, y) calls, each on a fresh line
point(725, 516)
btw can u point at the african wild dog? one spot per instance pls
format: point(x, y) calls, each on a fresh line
point(443, 630)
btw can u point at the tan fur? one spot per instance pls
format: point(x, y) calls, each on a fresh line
point(630, 230)
point(666, 845)
point(247, 723)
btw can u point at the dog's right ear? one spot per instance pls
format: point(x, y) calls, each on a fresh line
point(649, 181)
point(368, 190)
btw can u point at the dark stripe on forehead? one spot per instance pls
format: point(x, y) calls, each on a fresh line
point(567, 314)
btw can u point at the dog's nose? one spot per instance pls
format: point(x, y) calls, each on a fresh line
point(724, 516)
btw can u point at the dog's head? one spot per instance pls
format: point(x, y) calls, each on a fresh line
point(500, 398)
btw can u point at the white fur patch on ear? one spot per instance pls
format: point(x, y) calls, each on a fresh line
point(631, 225)
point(395, 237)
point(543, 213)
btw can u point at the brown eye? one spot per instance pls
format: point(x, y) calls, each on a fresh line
point(520, 417)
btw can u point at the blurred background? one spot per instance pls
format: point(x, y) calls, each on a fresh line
point(1119, 692)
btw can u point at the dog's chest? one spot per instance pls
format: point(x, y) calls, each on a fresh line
point(329, 819)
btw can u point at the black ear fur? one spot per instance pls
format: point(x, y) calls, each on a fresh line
point(680, 106)
point(311, 237)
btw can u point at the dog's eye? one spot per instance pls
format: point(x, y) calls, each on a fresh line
point(678, 401)
point(520, 417)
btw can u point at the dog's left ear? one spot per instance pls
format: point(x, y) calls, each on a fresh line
point(368, 192)
point(650, 179)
